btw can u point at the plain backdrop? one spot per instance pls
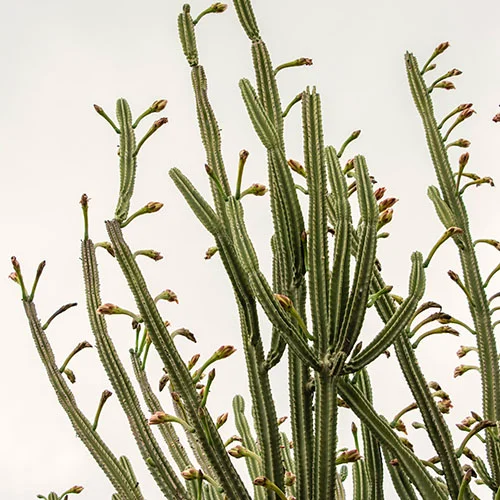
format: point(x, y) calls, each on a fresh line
point(59, 58)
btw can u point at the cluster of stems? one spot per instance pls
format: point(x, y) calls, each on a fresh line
point(325, 279)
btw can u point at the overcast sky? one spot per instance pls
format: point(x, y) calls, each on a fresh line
point(59, 58)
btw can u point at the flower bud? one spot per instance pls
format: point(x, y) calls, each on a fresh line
point(261, 481)
point(384, 218)
point(387, 203)
point(158, 105)
point(379, 193)
point(453, 275)
point(158, 123)
point(224, 352)
point(290, 478)
point(400, 426)
point(71, 376)
point(348, 456)
point(445, 84)
point(193, 361)
point(218, 7)
point(256, 190)
point(469, 454)
point(297, 167)
point(461, 143)
point(191, 474)
point(108, 309)
point(441, 48)
point(237, 452)
point(496, 118)
point(184, 332)
point(163, 382)
point(244, 154)
point(158, 418)
point(152, 254)
point(75, 489)
point(476, 416)
point(281, 420)
point(468, 421)
point(463, 350)
point(444, 406)
point(153, 206)
point(285, 302)
point(461, 369)
point(462, 161)
point(210, 252)
point(167, 295)
point(14, 277)
point(221, 420)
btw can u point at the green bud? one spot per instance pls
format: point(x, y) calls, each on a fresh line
point(158, 105)
point(210, 252)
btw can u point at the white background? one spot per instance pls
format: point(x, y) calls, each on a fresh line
point(59, 58)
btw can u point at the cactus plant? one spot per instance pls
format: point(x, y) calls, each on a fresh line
point(326, 278)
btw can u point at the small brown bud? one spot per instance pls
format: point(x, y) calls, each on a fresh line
point(387, 203)
point(453, 275)
point(379, 193)
point(434, 385)
point(445, 84)
point(14, 277)
point(237, 452)
point(441, 48)
point(348, 456)
point(256, 190)
point(184, 332)
point(285, 302)
point(98, 109)
point(463, 350)
point(168, 295)
point(107, 309)
point(469, 454)
point(400, 426)
point(385, 217)
point(193, 361)
point(297, 167)
point(158, 123)
point(496, 118)
point(290, 478)
point(462, 143)
point(305, 61)
point(244, 154)
point(468, 421)
point(466, 113)
point(260, 481)
point(476, 416)
point(281, 420)
point(158, 418)
point(163, 382)
point(221, 420)
point(444, 406)
point(464, 158)
point(224, 352)
point(191, 474)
